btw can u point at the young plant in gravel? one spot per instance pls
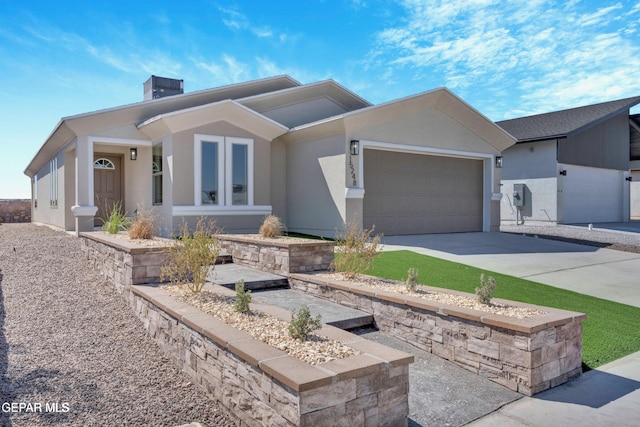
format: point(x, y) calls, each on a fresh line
point(302, 324)
point(243, 298)
point(486, 289)
point(356, 250)
point(192, 256)
point(117, 220)
point(271, 227)
point(412, 280)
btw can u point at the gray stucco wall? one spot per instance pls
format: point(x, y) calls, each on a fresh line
point(535, 165)
point(316, 186)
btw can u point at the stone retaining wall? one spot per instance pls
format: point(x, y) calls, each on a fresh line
point(526, 355)
point(122, 262)
point(259, 384)
point(263, 386)
point(15, 210)
point(280, 256)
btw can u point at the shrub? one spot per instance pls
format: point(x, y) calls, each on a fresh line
point(117, 220)
point(144, 226)
point(271, 227)
point(486, 289)
point(191, 256)
point(412, 279)
point(302, 324)
point(356, 250)
point(243, 298)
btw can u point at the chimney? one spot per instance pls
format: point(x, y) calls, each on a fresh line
point(159, 87)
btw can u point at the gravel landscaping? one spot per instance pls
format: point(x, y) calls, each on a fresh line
point(602, 238)
point(68, 338)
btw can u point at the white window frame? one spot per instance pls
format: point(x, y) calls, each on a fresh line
point(229, 143)
point(53, 182)
point(35, 190)
point(225, 172)
point(197, 168)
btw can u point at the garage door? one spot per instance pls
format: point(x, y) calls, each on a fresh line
point(417, 194)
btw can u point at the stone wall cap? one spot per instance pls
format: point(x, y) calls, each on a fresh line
point(552, 317)
point(125, 245)
point(281, 242)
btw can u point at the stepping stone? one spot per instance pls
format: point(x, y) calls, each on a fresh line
point(228, 274)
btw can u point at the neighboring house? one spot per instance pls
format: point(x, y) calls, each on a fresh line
point(634, 166)
point(571, 166)
point(316, 155)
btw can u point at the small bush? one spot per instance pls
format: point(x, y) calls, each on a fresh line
point(192, 256)
point(486, 289)
point(117, 220)
point(302, 324)
point(243, 298)
point(412, 279)
point(271, 227)
point(144, 226)
point(356, 250)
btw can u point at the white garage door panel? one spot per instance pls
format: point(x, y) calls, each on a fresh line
point(414, 194)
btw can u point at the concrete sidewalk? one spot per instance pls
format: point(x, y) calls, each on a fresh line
point(607, 396)
point(603, 273)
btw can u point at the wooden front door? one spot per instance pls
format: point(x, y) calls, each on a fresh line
point(107, 181)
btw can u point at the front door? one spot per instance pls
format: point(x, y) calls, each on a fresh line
point(107, 181)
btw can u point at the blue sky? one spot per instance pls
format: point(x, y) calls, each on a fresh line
point(505, 58)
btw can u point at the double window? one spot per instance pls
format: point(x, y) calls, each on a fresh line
point(223, 171)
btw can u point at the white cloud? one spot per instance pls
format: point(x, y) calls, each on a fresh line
point(542, 53)
point(227, 70)
point(599, 16)
point(237, 21)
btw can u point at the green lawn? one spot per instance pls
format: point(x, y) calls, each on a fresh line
point(611, 331)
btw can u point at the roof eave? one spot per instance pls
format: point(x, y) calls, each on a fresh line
point(228, 110)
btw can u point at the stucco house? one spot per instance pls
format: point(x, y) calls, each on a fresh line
point(316, 155)
point(570, 166)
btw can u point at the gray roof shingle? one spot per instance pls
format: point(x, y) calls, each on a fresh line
point(565, 122)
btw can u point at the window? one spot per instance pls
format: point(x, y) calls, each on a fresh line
point(104, 164)
point(35, 191)
point(53, 183)
point(156, 167)
point(239, 176)
point(210, 194)
point(223, 171)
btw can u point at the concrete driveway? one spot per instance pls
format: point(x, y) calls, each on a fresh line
point(603, 273)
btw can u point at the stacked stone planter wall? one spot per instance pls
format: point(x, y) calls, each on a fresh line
point(281, 255)
point(259, 384)
point(122, 262)
point(527, 355)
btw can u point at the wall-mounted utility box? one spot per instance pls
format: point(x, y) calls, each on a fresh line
point(518, 194)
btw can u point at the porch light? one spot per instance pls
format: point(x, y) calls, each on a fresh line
point(134, 153)
point(498, 161)
point(355, 147)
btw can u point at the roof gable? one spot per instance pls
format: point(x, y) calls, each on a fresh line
point(559, 124)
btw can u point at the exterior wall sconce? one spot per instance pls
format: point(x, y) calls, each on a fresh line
point(354, 147)
point(499, 162)
point(133, 153)
point(629, 178)
point(563, 172)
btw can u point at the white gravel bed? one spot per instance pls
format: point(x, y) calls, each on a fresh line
point(317, 349)
point(616, 239)
point(68, 337)
point(443, 297)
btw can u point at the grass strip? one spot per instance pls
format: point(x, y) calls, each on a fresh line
point(610, 331)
